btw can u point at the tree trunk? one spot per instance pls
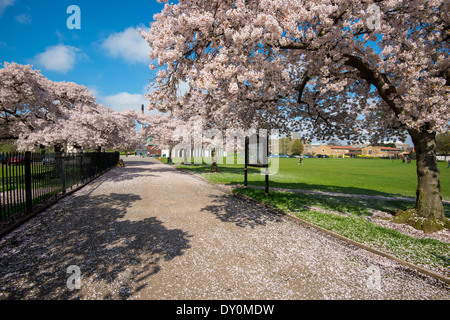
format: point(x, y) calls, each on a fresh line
point(169, 159)
point(428, 194)
point(185, 156)
point(58, 148)
point(214, 167)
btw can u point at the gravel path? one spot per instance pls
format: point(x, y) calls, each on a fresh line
point(148, 231)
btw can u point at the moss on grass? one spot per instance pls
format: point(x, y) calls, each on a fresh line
point(428, 225)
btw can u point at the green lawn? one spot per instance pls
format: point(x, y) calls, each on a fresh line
point(357, 176)
point(13, 177)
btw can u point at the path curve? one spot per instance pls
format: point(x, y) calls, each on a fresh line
point(149, 231)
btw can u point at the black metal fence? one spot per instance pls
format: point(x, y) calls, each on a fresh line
point(27, 179)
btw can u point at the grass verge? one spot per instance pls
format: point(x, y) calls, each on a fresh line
point(353, 223)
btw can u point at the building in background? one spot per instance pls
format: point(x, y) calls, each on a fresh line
point(335, 151)
point(382, 152)
point(153, 150)
point(403, 146)
point(352, 151)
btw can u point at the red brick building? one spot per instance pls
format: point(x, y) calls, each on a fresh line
point(154, 151)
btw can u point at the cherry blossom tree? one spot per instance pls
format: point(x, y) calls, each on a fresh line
point(26, 103)
point(348, 69)
point(86, 127)
point(39, 113)
point(173, 132)
point(117, 128)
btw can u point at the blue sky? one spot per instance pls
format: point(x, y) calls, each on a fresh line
point(106, 55)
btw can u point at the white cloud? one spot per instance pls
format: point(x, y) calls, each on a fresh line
point(128, 45)
point(59, 58)
point(23, 18)
point(5, 4)
point(125, 101)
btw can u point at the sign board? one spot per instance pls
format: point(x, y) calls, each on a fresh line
point(257, 155)
point(257, 148)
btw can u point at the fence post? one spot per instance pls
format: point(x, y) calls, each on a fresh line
point(81, 168)
point(28, 195)
point(63, 174)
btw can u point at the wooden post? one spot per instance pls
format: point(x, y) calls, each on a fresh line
point(267, 182)
point(267, 164)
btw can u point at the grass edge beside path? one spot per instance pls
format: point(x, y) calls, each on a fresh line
point(426, 253)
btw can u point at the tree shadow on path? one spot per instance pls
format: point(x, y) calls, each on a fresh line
point(116, 255)
point(229, 208)
point(131, 171)
point(147, 165)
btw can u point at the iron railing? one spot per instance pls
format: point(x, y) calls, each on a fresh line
point(28, 179)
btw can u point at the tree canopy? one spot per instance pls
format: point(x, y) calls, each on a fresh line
point(36, 112)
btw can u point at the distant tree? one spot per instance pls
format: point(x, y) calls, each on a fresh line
point(37, 113)
point(7, 146)
point(443, 144)
point(297, 147)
